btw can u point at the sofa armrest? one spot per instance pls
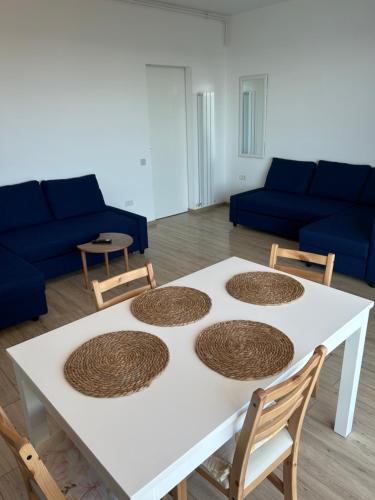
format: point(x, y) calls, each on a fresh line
point(234, 199)
point(132, 215)
point(370, 269)
point(141, 222)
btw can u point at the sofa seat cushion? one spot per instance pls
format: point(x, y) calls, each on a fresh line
point(368, 193)
point(18, 277)
point(61, 237)
point(73, 197)
point(290, 176)
point(339, 181)
point(22, 294)
point(22, 205)
point(346, 233)
point(296, 207)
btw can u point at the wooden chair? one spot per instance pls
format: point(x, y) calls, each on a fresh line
point(314, 258)
point(101, 287)
point(270, 436)
point(31, 466)
point(64, 461)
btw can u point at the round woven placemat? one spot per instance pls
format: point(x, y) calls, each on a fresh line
point(244, 350)
point(171, 306)
point(116, 364)
point(264, 288)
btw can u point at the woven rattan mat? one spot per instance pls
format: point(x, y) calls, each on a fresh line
point(171, 306)
point(244, 350)
point(264, 288)
point(116, 364)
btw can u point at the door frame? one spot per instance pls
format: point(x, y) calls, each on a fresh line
point(190, 149)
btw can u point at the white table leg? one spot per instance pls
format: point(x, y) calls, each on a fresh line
point(350, 374)
point(33, 410)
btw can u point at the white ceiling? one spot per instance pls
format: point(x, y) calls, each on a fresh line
point(225, 7)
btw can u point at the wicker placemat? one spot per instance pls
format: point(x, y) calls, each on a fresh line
point(116, 364)
point(264, 288)
point(171, 306)
point(244, 350)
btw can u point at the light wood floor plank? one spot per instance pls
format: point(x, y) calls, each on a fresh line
point(8, 392)
point(12, 487)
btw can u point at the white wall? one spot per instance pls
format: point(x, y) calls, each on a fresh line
point(320, 58)
point(73, 87)
point(73, 90)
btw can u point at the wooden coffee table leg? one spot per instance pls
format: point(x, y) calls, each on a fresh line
point(126, 259)
point(106, 263)
point(84, 267)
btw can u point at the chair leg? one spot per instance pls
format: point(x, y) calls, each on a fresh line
point(180, 491)
point(290, 479)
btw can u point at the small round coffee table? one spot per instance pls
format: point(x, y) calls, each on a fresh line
point(120, 242)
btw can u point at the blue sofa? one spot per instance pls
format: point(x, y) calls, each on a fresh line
point(40, 226)
point(329, 207)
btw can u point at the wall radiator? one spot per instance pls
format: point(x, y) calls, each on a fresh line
point(206, 147)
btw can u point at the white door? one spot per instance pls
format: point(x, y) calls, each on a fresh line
point(167, 114)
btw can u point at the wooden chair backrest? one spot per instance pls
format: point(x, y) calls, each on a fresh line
point(270, 411)
point(327, 261)
point(31, 466)
point(103, 286)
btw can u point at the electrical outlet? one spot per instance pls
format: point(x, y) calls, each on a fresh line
point(129, 203)
point(143, 162)
point(242, 177)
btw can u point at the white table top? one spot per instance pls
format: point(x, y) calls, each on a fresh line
point(136, 438)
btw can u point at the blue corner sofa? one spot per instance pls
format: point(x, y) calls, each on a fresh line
point(328, 207)
point(40, 226)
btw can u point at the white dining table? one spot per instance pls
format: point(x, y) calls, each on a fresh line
point(144, 444)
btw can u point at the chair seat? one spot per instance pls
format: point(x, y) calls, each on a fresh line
point(71, 471)
point(219, 465)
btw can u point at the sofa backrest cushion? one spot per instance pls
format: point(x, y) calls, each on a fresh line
point(368, 193)
point(340, 181)
point(75, 196)
point(290, 176)
point(22, 205)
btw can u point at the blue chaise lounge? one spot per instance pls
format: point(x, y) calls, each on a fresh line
point(40, 226)
point(329, 207)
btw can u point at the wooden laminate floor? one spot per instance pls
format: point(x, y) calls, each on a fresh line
point(331, 468)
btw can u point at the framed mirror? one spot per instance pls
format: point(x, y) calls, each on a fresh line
point(253, 98)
